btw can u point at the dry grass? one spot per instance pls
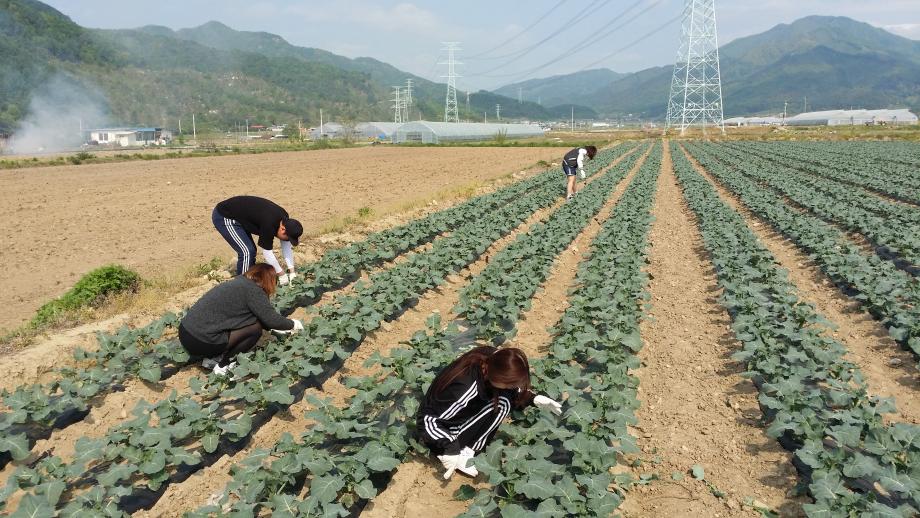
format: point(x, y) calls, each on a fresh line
point(148, 299)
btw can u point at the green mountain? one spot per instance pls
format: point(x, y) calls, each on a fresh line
point(835, 62)
point(561, 89)
point(154, 76)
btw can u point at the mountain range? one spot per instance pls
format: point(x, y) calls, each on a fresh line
point(154, 75)
point(834, 62)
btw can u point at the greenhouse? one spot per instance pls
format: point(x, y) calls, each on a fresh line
point(331, 130)
point(753, 121)
point(376, 130)
point(437, 132)
point(852, 118)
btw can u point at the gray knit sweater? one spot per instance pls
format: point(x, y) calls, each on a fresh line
point(231, 305)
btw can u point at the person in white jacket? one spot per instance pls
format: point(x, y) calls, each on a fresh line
point(574, 163)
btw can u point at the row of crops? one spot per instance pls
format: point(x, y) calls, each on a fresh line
point(166, 441)
point(816, 402)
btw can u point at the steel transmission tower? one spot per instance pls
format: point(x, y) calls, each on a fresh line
point(451, 113)
point(408, 99)
point(397, 106)
point(696, 89)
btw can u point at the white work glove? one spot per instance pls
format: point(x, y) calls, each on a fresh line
point(298, 327)
point(286, 278)
point(459, 462)
point(544, 403)
point(582, 172)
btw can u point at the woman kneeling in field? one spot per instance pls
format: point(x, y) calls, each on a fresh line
point(228, 320)
point(469, 399)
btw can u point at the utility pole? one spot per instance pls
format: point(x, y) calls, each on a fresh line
point(320, 123)
point(805, 109)
point(485, 118)
point(696, 87)
point(498, 112)
point(180, 125)
point(520, 98)
point(467, 100)
point(573, 119)
point(194, 131)
point(247, 126)
point(397, 106)
point(785, 105)
point(451, 113)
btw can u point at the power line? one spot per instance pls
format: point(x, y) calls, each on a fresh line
point(587, 10)
point(588, 41)
point(518, 35)
point(635, 42)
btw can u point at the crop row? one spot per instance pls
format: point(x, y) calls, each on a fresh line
point(148, 450)
point(814, 401)
point(348, 453)
point(901, 241)
point(898, 214)
point(895, 180)
point(543, 466)
point(889, 294)
point(37, 408)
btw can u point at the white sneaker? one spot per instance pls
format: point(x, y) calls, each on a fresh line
point(210, 363)
point(223, 371)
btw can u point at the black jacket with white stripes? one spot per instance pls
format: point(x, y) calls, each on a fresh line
point(463, 414)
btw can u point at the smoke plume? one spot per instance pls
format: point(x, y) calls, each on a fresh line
point(56, 111)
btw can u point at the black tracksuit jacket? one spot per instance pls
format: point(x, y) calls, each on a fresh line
point(463, 414)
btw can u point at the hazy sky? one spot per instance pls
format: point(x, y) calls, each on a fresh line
point(408, 34)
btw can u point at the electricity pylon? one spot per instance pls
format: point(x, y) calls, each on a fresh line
point(451, 113)
point(696, 88)
point(397, 106)
point(408, 99)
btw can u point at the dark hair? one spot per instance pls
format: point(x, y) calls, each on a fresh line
point(592, 150)
point(264, 275)
point(508, 366)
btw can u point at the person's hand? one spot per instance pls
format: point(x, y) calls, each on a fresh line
point(459, 462)
point(291, 274)
point(582, 172)
point(544, 403)
point(298, 325)
point(283, 279)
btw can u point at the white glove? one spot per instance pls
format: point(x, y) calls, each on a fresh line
point(582, 171)
point(283, 279)
point(460, 462)
point(298, 326)
point(544, 403)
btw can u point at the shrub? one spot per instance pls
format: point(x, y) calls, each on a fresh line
point(89, 291)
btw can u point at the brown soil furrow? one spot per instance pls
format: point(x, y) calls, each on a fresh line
point(202, 486)
point(552, 298)
point(696, 407)
point(889, 371)
point(418, 489)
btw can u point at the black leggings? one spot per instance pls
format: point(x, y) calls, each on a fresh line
point(241, 340)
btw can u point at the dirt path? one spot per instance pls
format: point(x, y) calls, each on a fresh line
point(417, 488)
point(155, 216)
point(889, 370)
point(696, 408)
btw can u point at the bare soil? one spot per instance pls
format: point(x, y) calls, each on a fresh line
point(696, 408)
point(61, 222)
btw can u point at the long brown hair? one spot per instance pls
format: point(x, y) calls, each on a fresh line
point(264, 275)
point(592, 150)
point(507, 366)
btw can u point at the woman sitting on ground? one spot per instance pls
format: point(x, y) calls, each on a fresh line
point(228, 320)
point(469, 399)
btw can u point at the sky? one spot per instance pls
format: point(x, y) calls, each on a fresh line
point(497, 38)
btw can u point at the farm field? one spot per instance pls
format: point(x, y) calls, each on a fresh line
point(733, 327)
point(61, 222)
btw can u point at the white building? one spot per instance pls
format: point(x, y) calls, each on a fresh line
point(129, 137)
point(753, 121)
point(852, 118)
point(426, 132)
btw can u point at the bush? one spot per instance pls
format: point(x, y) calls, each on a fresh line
point(89, 291)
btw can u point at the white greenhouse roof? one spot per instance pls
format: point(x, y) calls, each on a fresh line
point(900, 115)
point(387, 128)
point(471, 129)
